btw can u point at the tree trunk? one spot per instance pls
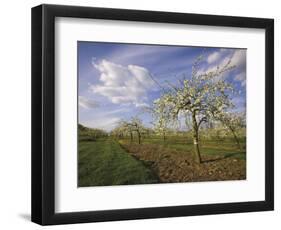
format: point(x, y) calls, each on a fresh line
point(235, 137)
point(164, 137)
point(131, 136)
point(139, 137)
point(197, 155)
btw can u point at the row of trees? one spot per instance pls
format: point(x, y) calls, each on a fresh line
point(209, 130)
point(131, 127)
point(234, 125)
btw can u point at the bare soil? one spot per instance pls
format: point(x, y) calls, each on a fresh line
point(178, 166)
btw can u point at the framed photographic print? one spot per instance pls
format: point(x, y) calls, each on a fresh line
point(142, 114)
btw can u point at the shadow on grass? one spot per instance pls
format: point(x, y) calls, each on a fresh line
point(228, 155)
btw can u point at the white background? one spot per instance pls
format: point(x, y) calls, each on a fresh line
point(71, 199)
point(15, 115)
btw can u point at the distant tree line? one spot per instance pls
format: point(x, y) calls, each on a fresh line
point(90, 134)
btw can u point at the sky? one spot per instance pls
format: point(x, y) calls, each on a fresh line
point(117, 80)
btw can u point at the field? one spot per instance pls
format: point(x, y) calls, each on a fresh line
point(222, 148)
point(104, 162)
point(108, 161)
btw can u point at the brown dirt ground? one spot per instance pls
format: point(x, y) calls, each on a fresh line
point(176, 166)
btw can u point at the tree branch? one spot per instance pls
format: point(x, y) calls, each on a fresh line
point(203, 119)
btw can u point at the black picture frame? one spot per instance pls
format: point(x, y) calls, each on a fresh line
point(43, 114)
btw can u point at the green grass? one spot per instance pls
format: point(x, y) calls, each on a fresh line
point(103, 162)
point(225, 148)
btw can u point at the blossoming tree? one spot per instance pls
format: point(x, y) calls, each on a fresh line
point(204, 96)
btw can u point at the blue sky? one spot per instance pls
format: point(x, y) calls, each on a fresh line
point(115, 79)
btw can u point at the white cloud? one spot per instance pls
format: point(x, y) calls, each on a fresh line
point(131, 53)
point(239, 103)
point(213, 57)
point(222, 57)
point(241, 77)
point(105, 123)
point(87, 103)
point(140, 105)
point(116, 111)
point(239, 58)
point(215, 60)
point(122, 84)
point(104, 119)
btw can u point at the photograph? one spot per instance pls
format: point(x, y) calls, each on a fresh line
point(160, 114)
point(172, 113)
